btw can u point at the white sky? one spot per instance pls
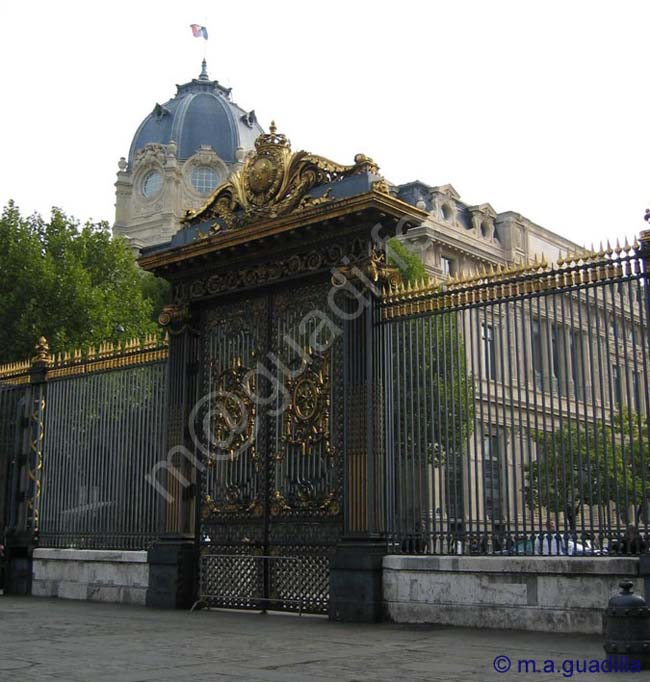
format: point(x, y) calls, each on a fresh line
point(540, 108)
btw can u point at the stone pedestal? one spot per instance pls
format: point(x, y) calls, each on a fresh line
point(18, 575)
point(18, 564)
point(172, 574)
point(356, 582)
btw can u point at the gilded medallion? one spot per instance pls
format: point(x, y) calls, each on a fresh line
point(261, 176)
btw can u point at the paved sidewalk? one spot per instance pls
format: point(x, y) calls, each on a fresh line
point(48, 639)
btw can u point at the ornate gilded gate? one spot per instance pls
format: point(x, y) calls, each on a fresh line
point(269, 428)
point(254, 312)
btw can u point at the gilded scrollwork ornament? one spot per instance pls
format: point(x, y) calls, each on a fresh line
point(264, 273)
point(273, 182)
point(307, 419)
point(279, 504)
point(331, 505)
point(174, 318)
point(233, 414)
point(370, 272)
point(233, 503)
point(381, 186)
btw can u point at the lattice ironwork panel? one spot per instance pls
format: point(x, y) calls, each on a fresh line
point(231, 579)
point(299, 579)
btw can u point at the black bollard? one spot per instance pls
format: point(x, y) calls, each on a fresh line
point(627, 626)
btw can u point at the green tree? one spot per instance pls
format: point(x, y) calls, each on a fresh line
point(410, 265)
point(72, 283)
point(633, 432)
point(579, 466)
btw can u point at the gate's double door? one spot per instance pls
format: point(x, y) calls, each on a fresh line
point(269, 428)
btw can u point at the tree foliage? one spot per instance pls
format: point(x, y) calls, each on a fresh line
point(581, 465)
point(72, 283)
point(409, 264)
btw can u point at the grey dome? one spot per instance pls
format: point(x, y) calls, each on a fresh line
point(201, 113)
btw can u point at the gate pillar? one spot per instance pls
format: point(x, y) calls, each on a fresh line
point(24, 489)
point(173, 559)
point(356, 569)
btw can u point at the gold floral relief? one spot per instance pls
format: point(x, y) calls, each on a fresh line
point(307, 419)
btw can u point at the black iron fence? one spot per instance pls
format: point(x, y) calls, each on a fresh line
point(78, 435)
point(510, 415)
point(516, 410)
point(12, 403)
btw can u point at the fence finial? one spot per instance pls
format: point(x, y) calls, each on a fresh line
point(42, 357)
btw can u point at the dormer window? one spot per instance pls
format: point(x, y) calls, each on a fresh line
point(486, 230)
point(446, 212)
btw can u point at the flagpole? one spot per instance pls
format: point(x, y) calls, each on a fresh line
point(205, 40)
point(201, 33)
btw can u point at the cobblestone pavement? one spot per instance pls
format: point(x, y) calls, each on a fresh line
point(48, 639)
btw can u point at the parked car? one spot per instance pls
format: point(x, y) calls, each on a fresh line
point(520, 548)
point(582, 548)
point(573, 548)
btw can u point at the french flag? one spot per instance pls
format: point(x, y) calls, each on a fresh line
point(199, 31)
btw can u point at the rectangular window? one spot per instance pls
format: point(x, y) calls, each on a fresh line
point(492, 475)
point(616, 386)
point(488, 351)
point(574, 342)
point(559, 359)
point(636, 392)
point(556, 350)
point(536, 342)
point(454, 486)
point(579, 362)
point(447, 265)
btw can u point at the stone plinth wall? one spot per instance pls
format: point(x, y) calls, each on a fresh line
point(93, 575)
point(549, 594)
